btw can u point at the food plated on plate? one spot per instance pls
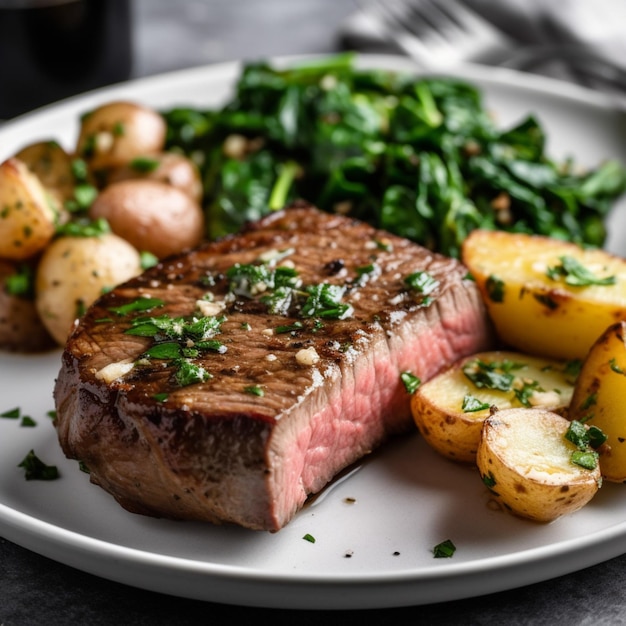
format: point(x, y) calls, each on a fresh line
point(420, 160)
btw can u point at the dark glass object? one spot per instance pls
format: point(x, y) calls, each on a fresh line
point(52, 49)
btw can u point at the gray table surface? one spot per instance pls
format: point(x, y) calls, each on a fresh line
point(170, 35)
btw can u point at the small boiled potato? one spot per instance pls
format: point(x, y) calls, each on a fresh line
point(546, 296)
point(450, 408)
point(21, 329)
point(74, 271)
point(27, 215)
point(526, 461)
point(153, 216)
point(117, 132)
point(600, 396)
point(168, 167)
point(52, 165)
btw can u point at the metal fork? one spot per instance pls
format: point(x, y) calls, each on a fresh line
point(438, 33)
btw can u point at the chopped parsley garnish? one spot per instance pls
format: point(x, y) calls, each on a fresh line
point(524, 393)
point(255, 390)
point(309, 538)
point(83, 197)
point(12, 414)
point(140, 304)
point(84, 227)
point(576, 274)
point(324, 300)
point(144, 165)
point(28, 422)
point(444, 550)
point(36, 469)
point(147, 260)
point(587, 440)
point(495, 289)
point(423, 283)
point(161, 397)
point(188, 373)
point(489, 480)
point(616, 368)
point(495, 375)
point(289, 328)
point(411, 382)
point(471, 404)
point(21, 283)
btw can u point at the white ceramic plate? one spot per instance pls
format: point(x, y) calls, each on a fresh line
point(375, 528)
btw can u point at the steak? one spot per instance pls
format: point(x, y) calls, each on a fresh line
point(230, 383)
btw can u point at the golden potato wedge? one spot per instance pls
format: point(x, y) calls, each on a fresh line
point(526, 461)
point(74, 271)
point(546, 296)
point(117, 132)
point(21, 329)
point(27, 215)
point(153, 216)
point(168, 167)
point(600, 396)
point(449, 409)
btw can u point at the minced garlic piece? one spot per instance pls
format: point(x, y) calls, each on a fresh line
point(307, 356)
point(209, 309)
point(113, 371)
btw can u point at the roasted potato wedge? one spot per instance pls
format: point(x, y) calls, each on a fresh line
point(449, 409)
point(526, 461)
point(74, 271)
point(153, 216)
point(27, 213)
point(116, 132)
point(600, 395)
point(546, 296)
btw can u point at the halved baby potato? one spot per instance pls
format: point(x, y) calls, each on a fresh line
point(449, 409)
point(27, 212)
point(600, 396)
point(526, 461)
point(52, 165)
point(546, 296)
point(74, 271)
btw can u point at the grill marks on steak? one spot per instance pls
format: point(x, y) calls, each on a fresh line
point(214, 451)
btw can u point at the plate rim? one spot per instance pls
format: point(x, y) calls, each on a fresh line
point(27, 531)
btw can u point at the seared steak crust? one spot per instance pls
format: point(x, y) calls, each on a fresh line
point(287, 399)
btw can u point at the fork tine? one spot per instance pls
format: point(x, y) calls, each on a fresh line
point(438, 31)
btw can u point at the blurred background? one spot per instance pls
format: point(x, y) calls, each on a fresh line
point(54, 48)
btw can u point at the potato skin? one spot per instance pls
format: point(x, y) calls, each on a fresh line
point(21, 329)
point(27, 216)
point(116, 132)
point(524, 459)
point(533, 312)
point(72, 273)
point(52, 165)
point(168, 167)
point(151, 215)
point(437, 405)
point(599, 398)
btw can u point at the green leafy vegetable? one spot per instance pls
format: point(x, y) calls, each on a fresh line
point(420, 157)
